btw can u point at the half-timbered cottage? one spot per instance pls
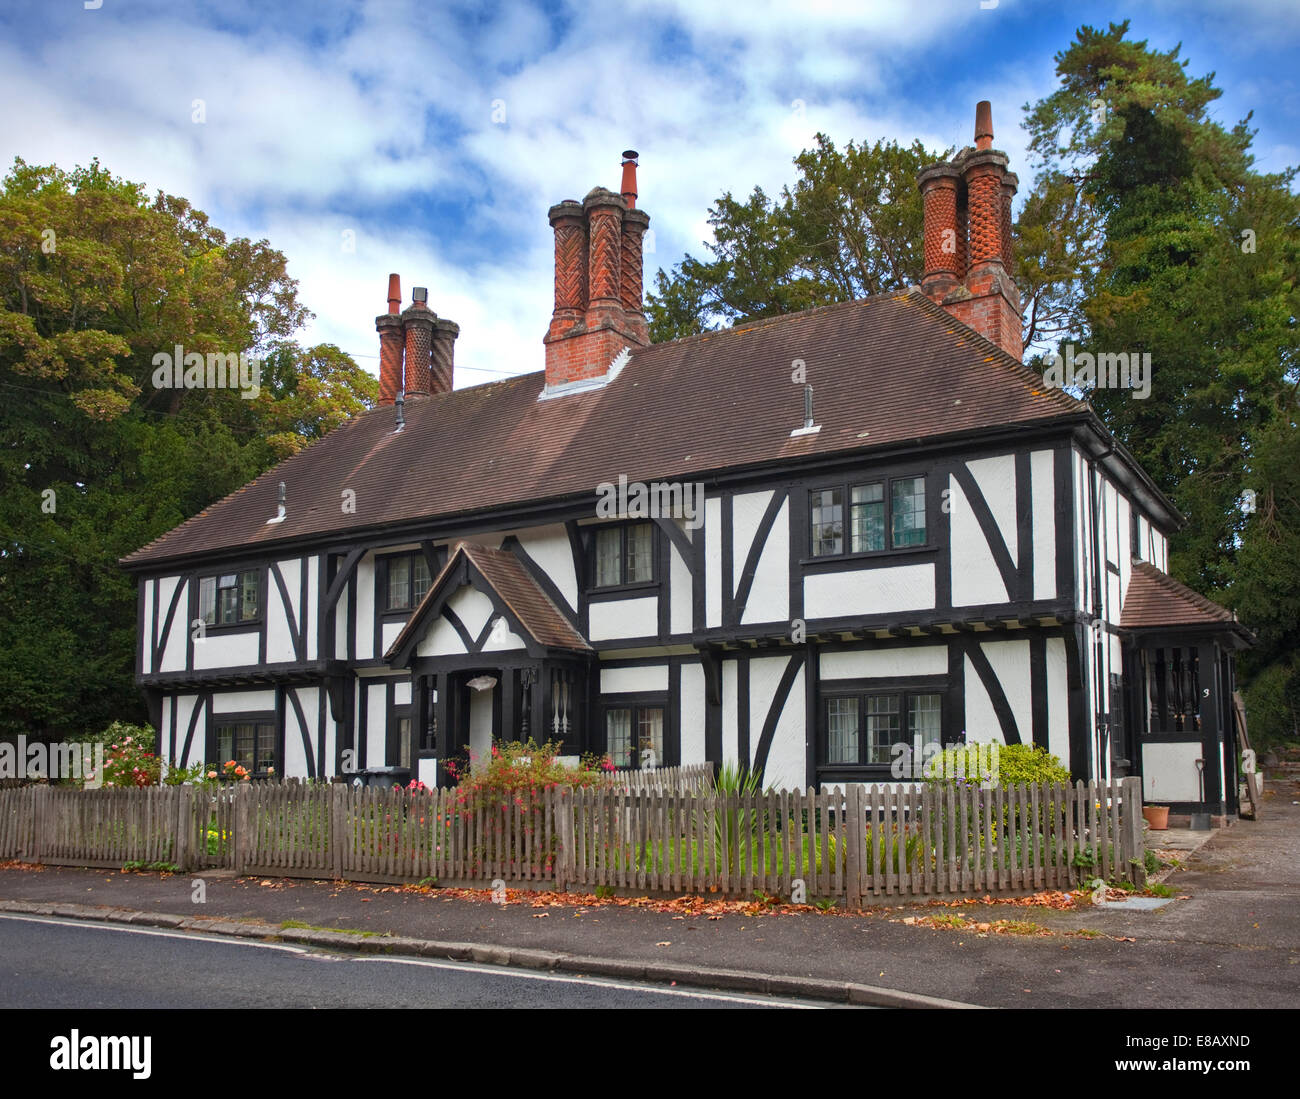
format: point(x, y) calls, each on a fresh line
point(903, 537)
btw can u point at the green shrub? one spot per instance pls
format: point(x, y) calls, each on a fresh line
point(1000, 764)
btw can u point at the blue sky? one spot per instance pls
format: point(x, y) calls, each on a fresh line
point(438, 134)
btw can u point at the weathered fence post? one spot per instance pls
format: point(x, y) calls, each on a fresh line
point(337, 828)
point(184, 827)
point(854, 839)
point(561, 807)
point(42, 826)
point(243, 827)
point(1132, 806)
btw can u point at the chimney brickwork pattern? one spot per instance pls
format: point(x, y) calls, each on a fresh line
point(416, 348)
point(968, 245)
point(598, 281)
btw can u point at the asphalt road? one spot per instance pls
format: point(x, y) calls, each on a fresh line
point(51, 963)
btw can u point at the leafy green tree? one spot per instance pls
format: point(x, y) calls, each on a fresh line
point(1197, 268)
point(95, 460)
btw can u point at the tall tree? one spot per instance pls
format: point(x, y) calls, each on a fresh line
point(95, 460)
point(1198, 268)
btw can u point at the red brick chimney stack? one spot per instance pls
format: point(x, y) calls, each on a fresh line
point(598, 276)
point(967, 245)
point(418, 321)
point(391, 342)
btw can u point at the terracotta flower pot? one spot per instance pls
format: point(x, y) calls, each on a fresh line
point(1157, 817)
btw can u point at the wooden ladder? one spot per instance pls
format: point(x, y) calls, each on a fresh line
point(1243, 745)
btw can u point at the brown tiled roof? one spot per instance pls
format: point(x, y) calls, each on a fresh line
point(1155, 599)
point(887, 369)
point(514, 586)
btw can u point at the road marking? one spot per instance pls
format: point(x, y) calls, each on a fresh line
point(313, 954)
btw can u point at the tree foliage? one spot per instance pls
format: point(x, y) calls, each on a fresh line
point(96, 279)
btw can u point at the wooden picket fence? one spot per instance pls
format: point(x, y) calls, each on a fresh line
point(695, 776)
point(853, 844)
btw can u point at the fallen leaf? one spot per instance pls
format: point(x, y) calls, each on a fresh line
point(663, 944)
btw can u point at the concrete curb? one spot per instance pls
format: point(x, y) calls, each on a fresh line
point(735, 980)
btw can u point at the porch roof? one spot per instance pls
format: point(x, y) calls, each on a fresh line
point(1155, 600)
point(514, 592)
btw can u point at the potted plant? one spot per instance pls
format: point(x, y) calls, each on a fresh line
point(1157, 817)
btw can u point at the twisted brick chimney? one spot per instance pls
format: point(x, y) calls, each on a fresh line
point(415, 347)
point(968, 260)
point(598, 277)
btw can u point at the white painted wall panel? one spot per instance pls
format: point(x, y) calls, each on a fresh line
point(1169, 772)
point(624, 618)
point(226, 650)
point(730, 712)
point(879, 663)
point(233, 702)
point(198, 746)
point(996, 478)
point(427, 772)
point(1010, 663)
point(769, 596)
point(173, 655)
point(313, 603)
point(549, 547)
point(713, 561)
point(869, 591)
point(1058, 700)
point(746, 513)
point(982, 724)
point(376, 725)
point(787, 758)
point(634, 680)
point(279, 639)
point(144, 642)
point(472, 607)
point(1042, 465)
point(975, 577)
point(388, 632)
point(365, 606)
point(440, 639)
point(502, 638)
point(681, 594)
point(692, 714)
point(297, 739)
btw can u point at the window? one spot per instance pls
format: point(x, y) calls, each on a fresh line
point(408, 581)
point(634, 735)
point(862, 729)
point(251, 744)
point(624, 555)
point(885, 514)
point(230, 598)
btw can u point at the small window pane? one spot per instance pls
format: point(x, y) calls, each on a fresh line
point(225, 744)
point(827, 522)
point(908, 508)
point(650, 737)
point(399, 583)
point(883, 727)
point(842, 730)
point(640, 550)
point(867, 508)
point(265, 749)
point(420, 579)
point(618, 737)
point(923, 718)
point(208, 600)
point(609, 554)
point(249, 595)
point(228, 608)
